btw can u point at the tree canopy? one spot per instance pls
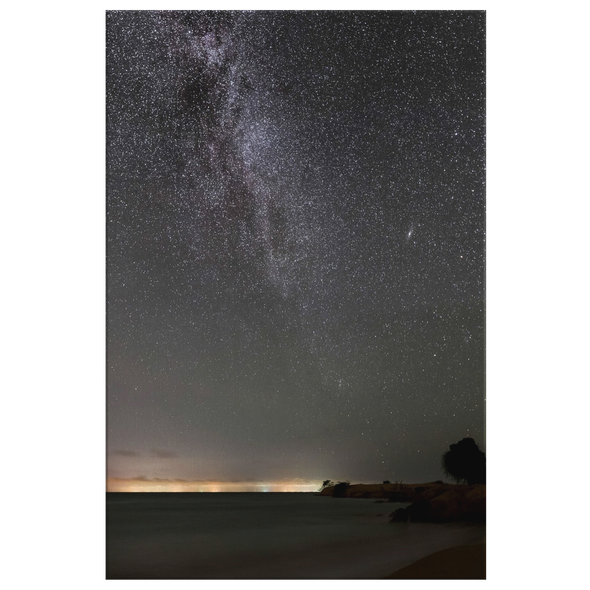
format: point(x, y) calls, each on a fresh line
point(465, 462)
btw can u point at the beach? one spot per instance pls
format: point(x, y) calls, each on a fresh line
point(456, 563)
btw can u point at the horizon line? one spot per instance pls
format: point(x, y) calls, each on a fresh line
point(142, 484)
point(180, 485)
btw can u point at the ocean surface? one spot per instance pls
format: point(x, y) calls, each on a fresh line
point(265, 536)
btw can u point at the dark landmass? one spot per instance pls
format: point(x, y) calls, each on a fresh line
point(430, 502)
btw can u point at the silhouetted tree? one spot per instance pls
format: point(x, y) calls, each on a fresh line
point(326, 484)
point(464, 462)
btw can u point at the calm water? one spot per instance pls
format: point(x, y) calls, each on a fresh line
point(258, 535)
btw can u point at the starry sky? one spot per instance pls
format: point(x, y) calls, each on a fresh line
point(295, 243)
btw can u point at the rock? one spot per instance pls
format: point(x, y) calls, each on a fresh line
point(459, 503)
point(431, 492)
point(445, 507)
point(400, 515)
point(420, 511)
point(474, 504)
point(431, 502)
point(400, 496)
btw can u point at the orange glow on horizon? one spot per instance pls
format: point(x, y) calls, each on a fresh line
point(175, 485)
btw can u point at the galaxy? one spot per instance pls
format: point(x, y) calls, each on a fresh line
point(295, 244)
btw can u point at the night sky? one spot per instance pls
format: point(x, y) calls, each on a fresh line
point(295, 243)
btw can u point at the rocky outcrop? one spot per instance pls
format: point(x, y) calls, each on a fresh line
point(393, 492)
point(430, 502)
point(464, 503)
point(400, 515)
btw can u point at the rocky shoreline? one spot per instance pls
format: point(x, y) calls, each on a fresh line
point(430, 502)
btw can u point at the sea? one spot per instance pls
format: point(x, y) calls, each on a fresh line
point(266, 536)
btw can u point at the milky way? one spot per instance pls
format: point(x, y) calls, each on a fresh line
point(296, 231)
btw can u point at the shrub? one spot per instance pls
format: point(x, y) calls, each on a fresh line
point(340, 488)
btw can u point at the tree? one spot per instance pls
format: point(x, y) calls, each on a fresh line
point(464, 462)
point(327, 484)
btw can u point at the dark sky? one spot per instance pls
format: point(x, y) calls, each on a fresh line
point(296, 234)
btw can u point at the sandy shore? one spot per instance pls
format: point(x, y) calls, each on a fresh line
point(457, 563)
